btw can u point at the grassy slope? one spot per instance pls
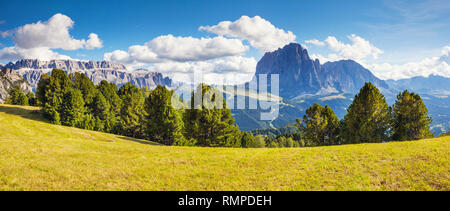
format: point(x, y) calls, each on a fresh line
point(35, 155)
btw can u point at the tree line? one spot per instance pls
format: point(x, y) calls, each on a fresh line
point(369, 119)
point(73, 100)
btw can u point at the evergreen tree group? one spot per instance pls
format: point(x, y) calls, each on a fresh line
point(368, 119)
point(74, 100)
point(159, 115)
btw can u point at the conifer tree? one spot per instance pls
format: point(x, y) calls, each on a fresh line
point(86, 86)
point(367, 118)
point(164, 124)
point(410, 118)
point(210, 122)
point(72, 108)
point(17, 97)
point(132, 111)
point(109, 91)
point(32, 101)
point(50, 93)
point(322, 126)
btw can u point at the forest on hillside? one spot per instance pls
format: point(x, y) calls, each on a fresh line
point(73, 100)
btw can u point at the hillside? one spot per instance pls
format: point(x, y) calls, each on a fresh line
point(35, 155)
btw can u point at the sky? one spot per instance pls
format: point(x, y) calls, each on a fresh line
point(394, 39)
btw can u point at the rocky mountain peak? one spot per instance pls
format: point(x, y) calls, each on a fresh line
point(299, 74)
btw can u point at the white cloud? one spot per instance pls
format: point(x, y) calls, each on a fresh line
point(180, 49)
point(53, 33)
point(428, 66)
point(315, 42)
point(259, 32)
point(42, 53)
point(36, 40)
point(93, 42)
point(235, 69)
point(357, 50)
point(194, 49)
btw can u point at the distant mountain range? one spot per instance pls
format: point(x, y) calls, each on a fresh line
point(32, 69)
point(303, 81)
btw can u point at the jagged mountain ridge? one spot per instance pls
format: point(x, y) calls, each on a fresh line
point(32, 69)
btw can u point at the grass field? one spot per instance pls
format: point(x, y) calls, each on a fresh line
point(35, 155)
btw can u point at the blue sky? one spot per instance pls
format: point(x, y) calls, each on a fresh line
point(384, 36)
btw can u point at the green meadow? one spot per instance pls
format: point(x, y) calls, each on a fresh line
point(37, 155)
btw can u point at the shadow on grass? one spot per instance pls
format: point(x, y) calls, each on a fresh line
point(36, 115)
point(30, 114)
point(139, 141)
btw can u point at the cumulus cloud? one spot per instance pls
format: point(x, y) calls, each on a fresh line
point(315, 42)
point(259, 32)
point(180, 49)
point(233, 69)
point(17, 53)
point(93, 42)
point(358, 49)
point(36, 40)
point(53, 33)
point(428, 66)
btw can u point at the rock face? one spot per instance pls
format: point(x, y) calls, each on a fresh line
point(348, 76)
point(32, 69)
point(9, 79)
point(299, 74)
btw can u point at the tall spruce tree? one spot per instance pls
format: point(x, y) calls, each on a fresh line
point(164, 124)
point(32, 101)
point(132, 111)
point(50, 93)
point(17, 97)
point(209, 120)
point(86, 86)
point(410, 118)
point(367, 118)
point(72, 108)
point(42, 86)
point(109, 91)
point(322, 126)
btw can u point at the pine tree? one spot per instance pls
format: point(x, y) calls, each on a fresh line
point(32, 101)
point(164, 124)
point(367, 118)
point(50, 93)
point(109, 91)
point(72, 108)
point(410, 120)
point(86, 86)
point(322, 126)
point(210, 123)
point(17, 97)
point(132, 111)
point(42, 86)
